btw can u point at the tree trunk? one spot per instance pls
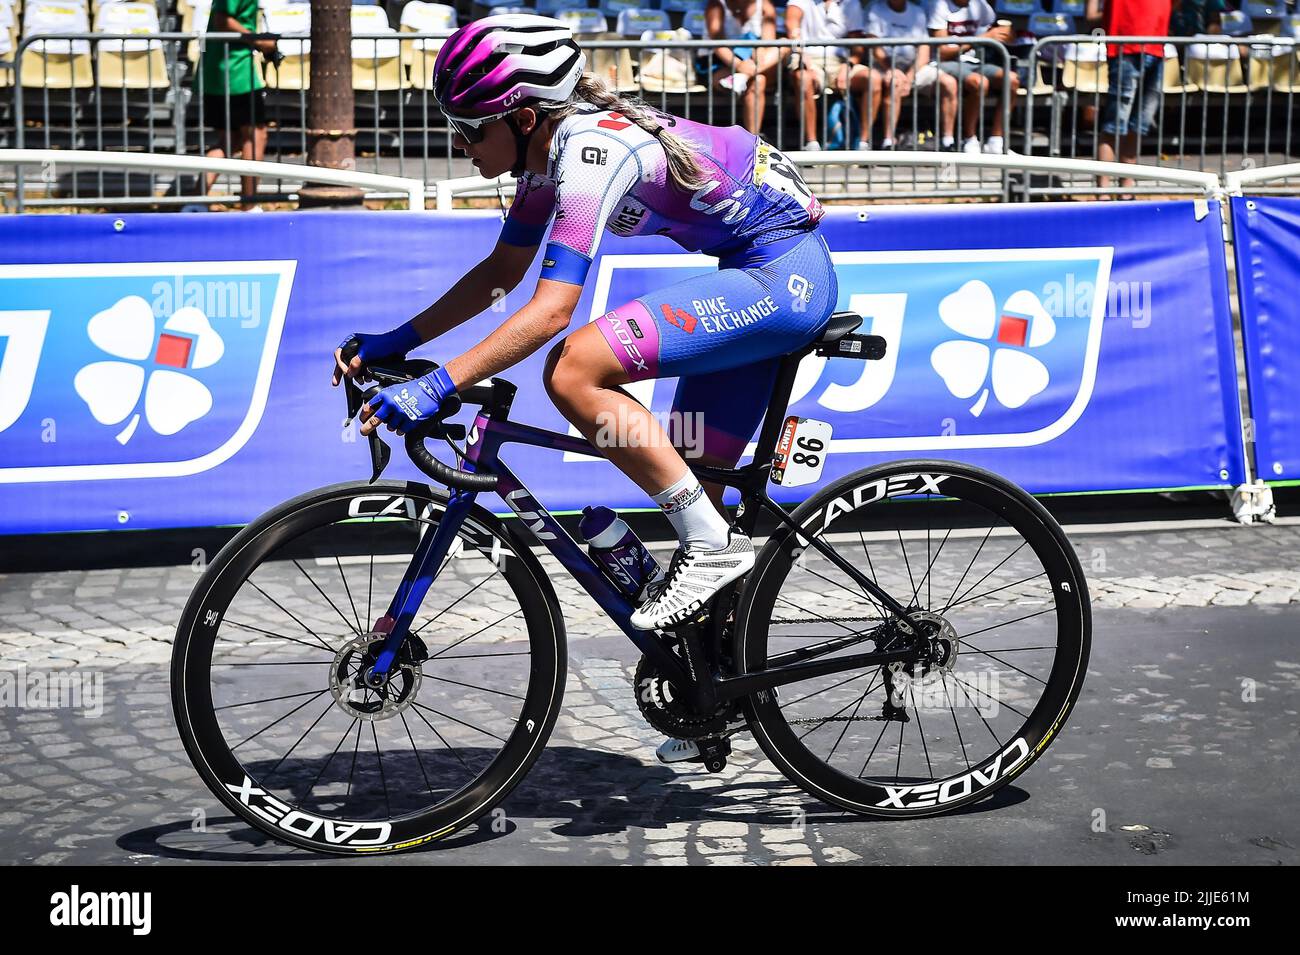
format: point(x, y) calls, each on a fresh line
point(331, 133)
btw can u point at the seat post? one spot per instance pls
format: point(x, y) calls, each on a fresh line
point(778, 404)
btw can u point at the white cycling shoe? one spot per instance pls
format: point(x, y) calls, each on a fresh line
point(678, 750)
point(694, 576)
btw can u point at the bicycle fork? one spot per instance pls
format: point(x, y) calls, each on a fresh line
point(420, 574)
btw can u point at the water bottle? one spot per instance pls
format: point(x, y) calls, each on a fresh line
point(611, 543)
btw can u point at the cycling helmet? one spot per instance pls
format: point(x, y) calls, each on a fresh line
point(497, 64)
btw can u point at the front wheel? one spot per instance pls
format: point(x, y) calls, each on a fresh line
point(265, 671)
point(994, 584)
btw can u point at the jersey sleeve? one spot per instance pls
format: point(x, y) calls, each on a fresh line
point(595, 171)
point(530, 212)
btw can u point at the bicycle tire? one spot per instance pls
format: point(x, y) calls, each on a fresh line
point(773, 730)
point(229, 779)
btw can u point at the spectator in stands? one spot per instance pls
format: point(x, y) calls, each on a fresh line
point(745, 71)
point(818, 68)
point(897, 68)
point(230, 81)
point(1196, 17)
point(975, 68)
point(1134, 73)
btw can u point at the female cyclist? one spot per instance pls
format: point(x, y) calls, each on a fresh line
point(516, 96)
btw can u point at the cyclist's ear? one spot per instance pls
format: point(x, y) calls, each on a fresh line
point(526, 120)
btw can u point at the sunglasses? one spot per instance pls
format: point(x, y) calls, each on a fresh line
point(470, 130)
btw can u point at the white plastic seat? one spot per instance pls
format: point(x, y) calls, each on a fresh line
point(637, 20)
point(418, 55)
point(1215, 68)
point(667, 70)
point(56, 64)
point(376, 64)
point(1085, 68)
point(130, 64)
point(293, 23)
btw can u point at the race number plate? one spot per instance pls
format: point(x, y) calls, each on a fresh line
point(801, 452)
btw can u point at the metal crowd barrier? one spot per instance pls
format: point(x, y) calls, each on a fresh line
point(1229, 107)
point(1225, 103)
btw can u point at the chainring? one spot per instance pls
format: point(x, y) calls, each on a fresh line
point(657, 699)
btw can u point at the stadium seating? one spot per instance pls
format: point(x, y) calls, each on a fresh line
point(634, 21)
point(1215, 68)
point(376, 64)
point(130, 64)
point(56, 64)
point(293, 23)
point(1085, 68)
point(419, 55)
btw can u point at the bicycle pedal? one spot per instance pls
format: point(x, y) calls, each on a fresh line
point(714, 753)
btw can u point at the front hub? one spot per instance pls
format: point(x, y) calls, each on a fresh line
point(350, 674)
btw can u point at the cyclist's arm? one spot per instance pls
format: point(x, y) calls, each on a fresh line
point(477, 290)
point(546, 315)
point(486, 284)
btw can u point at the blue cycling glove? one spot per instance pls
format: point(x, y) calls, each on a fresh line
point(402, 405)
point(394, 344)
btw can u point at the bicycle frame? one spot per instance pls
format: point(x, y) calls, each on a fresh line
point(492, 429)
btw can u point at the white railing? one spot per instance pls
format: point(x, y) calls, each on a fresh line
point(1206, 183)
point(413, 188)
point(1233, 181)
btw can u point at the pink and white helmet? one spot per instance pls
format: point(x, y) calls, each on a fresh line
point(500, 63)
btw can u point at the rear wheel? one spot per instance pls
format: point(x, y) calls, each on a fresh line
point(992, 581)
point(265, 672)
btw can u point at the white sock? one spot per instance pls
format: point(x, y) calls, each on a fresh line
point(693, 516)
point(947, 140)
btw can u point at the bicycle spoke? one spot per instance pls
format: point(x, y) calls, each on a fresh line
point(275, 722)
point(269, 699)
point(446, 716)
point(348, 591)
point(962, 580)
point(996, 589)
point(346, 622)
point(989, 574)
point(476, 633)
point(272, 771)
point(278, 636)
point(414, 749)
point(337, 746)
point(291, 616)
point(920, 731)
point(455, 752)
point(382, 778)
point(474, 686)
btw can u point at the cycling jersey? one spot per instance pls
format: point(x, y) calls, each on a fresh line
point(605, 172)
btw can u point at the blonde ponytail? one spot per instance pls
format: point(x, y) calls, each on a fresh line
point(684, 170)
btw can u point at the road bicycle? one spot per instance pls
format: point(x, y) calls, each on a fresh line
point(375, 665)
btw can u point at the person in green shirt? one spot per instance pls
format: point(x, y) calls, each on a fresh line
point(229, 80)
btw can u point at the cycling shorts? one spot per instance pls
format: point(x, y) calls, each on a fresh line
point(724, 334)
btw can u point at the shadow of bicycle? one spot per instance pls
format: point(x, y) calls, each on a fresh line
point(584, 793)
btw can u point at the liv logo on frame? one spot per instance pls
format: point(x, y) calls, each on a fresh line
point(134, 370)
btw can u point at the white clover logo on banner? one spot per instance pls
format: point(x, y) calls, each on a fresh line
point(993, 351)
point(172, 399)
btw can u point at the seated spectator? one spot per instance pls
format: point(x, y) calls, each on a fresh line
point(902, 67)
point(745, 71)
point(825, 67)
point(973, 68)
point(1134, 74)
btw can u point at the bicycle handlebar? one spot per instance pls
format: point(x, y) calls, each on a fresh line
point(437, 427)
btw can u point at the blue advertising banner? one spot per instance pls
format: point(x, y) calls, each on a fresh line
point(172, 370)
point(1266, 235)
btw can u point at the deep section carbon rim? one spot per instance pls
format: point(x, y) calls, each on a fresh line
point(282, 623)
point(1001, 600)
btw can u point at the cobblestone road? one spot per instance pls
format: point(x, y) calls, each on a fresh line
point(1180, 750)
